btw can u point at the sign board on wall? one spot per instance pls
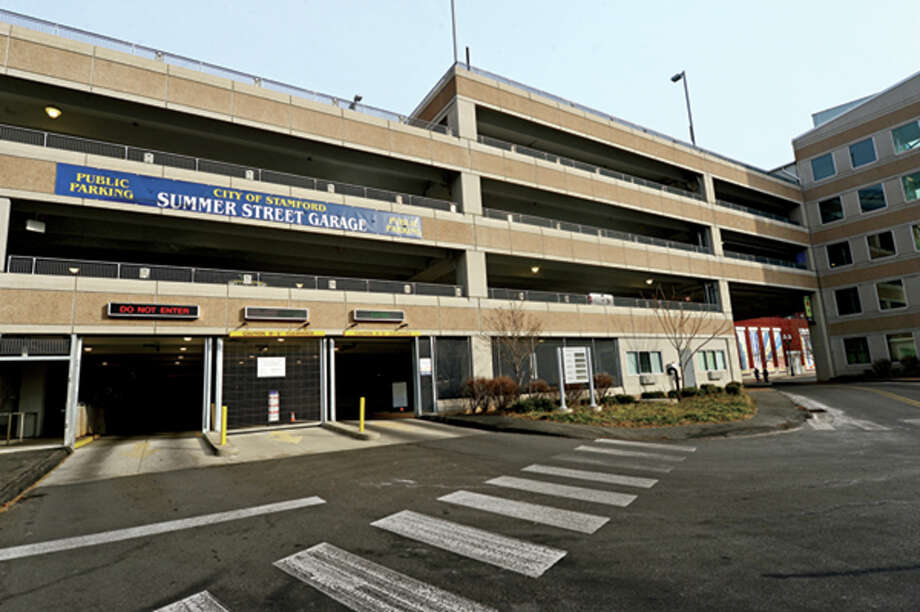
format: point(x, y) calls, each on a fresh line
point(120, 310)
point(270, 367)
point(168, 194)
point(424, 366)
point(575, 364)
point(400, 395)
point(274, 406)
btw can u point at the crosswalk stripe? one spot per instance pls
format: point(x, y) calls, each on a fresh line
point(610, 498)
point(911, 421)
point(614, 462)
point(670, 447)
point(508, 553)
point(545, 515)
point(118, 535)
point(199, 602)
point(627, 453)
point(363, 585)
point(629, 481)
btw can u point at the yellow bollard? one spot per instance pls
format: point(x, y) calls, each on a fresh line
point(223, 426)
point(361, 426)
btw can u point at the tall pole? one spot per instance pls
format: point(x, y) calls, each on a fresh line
point(453, 21)
point(689, 114)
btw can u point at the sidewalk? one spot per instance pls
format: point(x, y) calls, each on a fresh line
point(19, 471)
point(775, 412)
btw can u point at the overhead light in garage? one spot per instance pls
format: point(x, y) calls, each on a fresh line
point(53, 111)
point(187, 338)
point(87, 349)
point(183, 348)
point(34, 225)
point(534, 269)
point(649, 281)
point(74, 270)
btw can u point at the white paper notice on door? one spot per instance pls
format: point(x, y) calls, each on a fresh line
point(270, 367)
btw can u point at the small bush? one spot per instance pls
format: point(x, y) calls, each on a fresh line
point(673, 394)
point(652, 395)
point(691, 392)
point(911, 365)
point(882, 368)
point(622, 398)
point(533, 404)
point(574, 394)
point(707, 389)
point(503, 391)
point(541, 389)
point(733, 388)
point(477, 394)
point(602, 384)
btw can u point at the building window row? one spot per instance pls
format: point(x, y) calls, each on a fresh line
point(710, 360)
point(900, 345)
point(904, 138)
point(871, 198)
point(890, 293)
point(879, 245)
point(643, 362)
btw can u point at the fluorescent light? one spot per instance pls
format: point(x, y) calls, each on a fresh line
point(534, 269)
point(649, 281)
point(183, 348)
point(53, 111)
point(73, 270)
point(87, 349)
point(34, 225)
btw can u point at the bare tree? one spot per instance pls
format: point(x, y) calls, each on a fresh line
point(686, 329)
point(515, 332)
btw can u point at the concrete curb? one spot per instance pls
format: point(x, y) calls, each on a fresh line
point(11, 490)
point(212, 440)
point(350, 430)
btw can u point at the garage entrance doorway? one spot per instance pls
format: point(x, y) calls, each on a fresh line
point(141, 385)
point(378, 369)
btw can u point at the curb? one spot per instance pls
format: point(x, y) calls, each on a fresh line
point(212, 440)
point(350, 430)
point(12, 490)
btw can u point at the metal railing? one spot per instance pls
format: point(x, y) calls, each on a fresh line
point(176, 160)
point(101, 40)
point(591, 230)
point(766, 260)
point(18, 264)
point(574, 163)
point(758, 212)
point(531, 295)
point(603, 115)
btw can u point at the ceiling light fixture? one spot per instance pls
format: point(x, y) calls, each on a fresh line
point(87, 349)
point(649, 281)
point(74, 270)
point(53, 111)
point(534, 269)
point(187, 338)
point(183, 348)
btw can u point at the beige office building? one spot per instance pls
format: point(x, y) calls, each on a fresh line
point(176, 237)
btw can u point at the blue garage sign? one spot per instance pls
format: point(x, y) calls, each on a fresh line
point(98, 184)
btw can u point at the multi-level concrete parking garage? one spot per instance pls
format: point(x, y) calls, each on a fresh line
point(175, 243)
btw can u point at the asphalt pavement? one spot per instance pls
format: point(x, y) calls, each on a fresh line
point(822, 517)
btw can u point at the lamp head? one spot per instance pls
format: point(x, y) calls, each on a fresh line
point(677, 77)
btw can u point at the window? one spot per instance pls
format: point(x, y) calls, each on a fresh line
point(915, 230)
point(891, 294)
point(643, 362)
point(823, 167)
point(831, 209)
point(453, 365)
point(871, 198)
point(862, 153)
point(838, 254)
point(911, 183)
point(847, 301)
point(906, 137)
point(711, 360)
point(881, 245)
point(857, 350)
point(901, 346)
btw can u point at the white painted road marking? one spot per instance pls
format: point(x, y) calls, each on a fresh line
point(548, 488)
point(670, 447)
point(615, 463)
point(911, 421)
point(364, 585)
point(545, 515)
point(627, 453)
point(106, 537)
point(837, 417)
point(617, 479)
point(508, 553)
point(199, 602)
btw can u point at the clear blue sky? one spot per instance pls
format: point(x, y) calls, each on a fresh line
point(756, 70)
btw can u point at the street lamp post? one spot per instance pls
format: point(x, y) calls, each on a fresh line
point(682, 75)
point(787, 346)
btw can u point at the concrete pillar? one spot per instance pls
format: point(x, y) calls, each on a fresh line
point(820, 340)
point(467, 192)
point(482, 356)
point(709, 187)
point(471, 274)
point(734, 359)
point(715, 235)
point(4, 231)
point(461, 118)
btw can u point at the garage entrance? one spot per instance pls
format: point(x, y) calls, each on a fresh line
point(141, 385)
point(378, 369)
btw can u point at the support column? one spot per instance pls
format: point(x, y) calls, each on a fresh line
point(461, 118)
point(471, 274)
point(218, 386)
point(467, 192)
point(73, 390)
point(715, 235)
point(4, 231)
point(825, 367)
point(734, 359)
point(709, 187)
point(206, 389)
point(482, 356)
